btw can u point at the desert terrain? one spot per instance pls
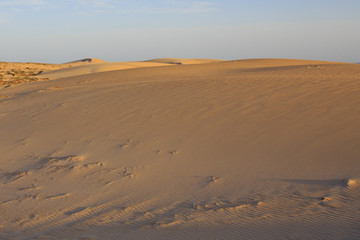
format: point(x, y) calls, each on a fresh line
point(180, 149)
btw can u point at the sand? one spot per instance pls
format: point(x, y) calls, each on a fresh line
point(93, 65)
point(14, 73)
point(246, 149)
point(18, 73)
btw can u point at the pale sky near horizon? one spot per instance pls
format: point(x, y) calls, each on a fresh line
point(127, 30)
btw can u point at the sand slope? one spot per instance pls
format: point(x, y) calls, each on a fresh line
point(14, 73)
point(84, 61)
point(93, 65)
point(184, 60)
point(249, 149)
point(95, 68)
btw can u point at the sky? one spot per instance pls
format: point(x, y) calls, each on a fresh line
point(54, 31)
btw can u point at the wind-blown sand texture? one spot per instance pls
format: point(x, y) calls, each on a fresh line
point(249, 149)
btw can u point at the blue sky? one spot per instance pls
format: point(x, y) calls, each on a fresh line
point(125, 30)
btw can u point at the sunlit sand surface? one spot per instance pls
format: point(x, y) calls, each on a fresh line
point(181, 149)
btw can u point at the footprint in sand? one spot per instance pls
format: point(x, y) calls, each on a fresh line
point(127, 143)
point(53, 165)
point(173, 153)
point(128, 173)
point(213, 179)
point(123, 145)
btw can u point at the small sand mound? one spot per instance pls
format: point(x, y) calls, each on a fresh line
point(351, 183)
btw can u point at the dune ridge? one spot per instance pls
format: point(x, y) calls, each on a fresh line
point(14, 73)
point(91, 65)
point(184, 60)
point(244, 149)
point(95, 68)
point(84, 61)
point(82, 67)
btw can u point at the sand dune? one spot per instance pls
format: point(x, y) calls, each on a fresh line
point(95, 68)
point(93, 65)
point(84, 61)
point(184, 61)
point(14, 73)
point(246, 149)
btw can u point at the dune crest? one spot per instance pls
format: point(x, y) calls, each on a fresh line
point(82, 67)
point(84, 61)
point(184, 61)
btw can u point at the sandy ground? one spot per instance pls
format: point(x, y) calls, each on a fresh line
point(14, 73)
point(81, 67)
point(249, 149)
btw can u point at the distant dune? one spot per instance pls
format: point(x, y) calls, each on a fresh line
point(93, 65)
point(170, 149)
point(96, 68)
point(84, 61)
point(183, 61)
